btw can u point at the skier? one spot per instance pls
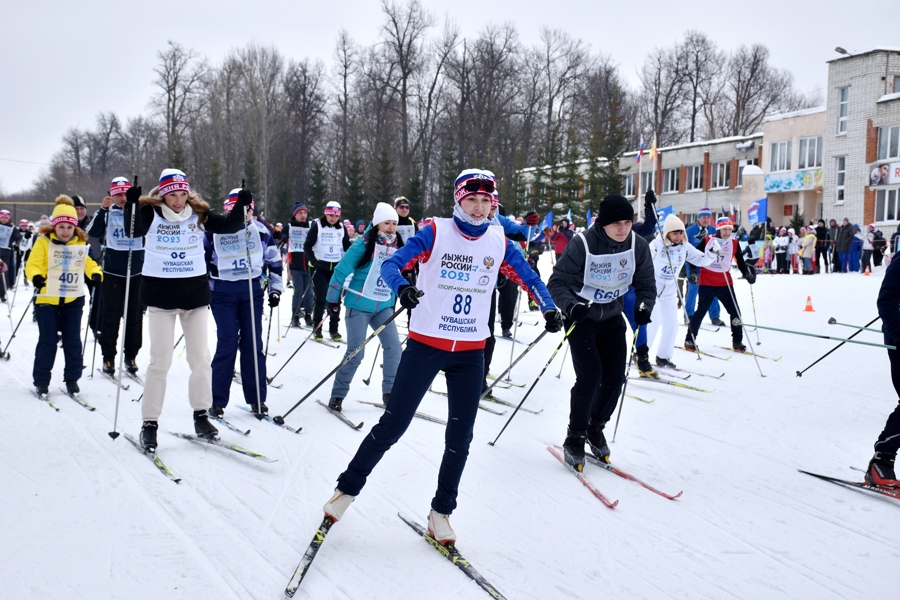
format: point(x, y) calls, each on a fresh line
point(172, 220)
point(24, 246)
point(10, 237)
point(325, 244)
point(881, 468)
point(696, 233)
point(57, 266)
point(406, 227)
point(669, 254)
point(716, 282)
point(593, 273)
point(302, 300)
point(109, 225)
point(446, 332)
point(369, 300)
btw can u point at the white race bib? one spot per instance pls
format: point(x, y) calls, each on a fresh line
point(5, 234)
point(231, 251)
point(374, 287)
point(664, 270)
point(297, 237)
point(722, 264)
point(606, 276)
point(116, 237)
point(329, 245)
point(65, 270)
point(174, 249)
point(406, 231)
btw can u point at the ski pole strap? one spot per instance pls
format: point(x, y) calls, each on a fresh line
point(826, 337)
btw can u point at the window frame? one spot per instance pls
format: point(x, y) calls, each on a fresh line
point(843, 109)
point(888, 198)
point(743, 162)
point(840, 179)
point(694, 181)
point(648, 181)
point(893, 137)
point(718, 169)
point(628, 181)
point(780, 150)
point(671, 176)
point(803, 147)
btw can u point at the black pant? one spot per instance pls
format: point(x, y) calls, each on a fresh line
point(781, 259)
point(821, 258)
point(889, 440)
point(112, 293)
point(321, 279)
point(707, 294)
point(509, 293)
point(53, 319)
point(599, 352)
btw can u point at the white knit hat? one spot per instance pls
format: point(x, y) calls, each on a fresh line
point(333, 208)
point(672, 223)
point(384, 212)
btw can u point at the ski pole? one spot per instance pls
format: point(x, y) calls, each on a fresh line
point(753, 304)
point(272, 378)
point(5, 353)
point(280, 419)
point(372, 370)
point(94, 357)
point(828, 337)
point(563, 363)
point(296, 314)
point(625, 383)
point(84, 343)
point(269, 332)
point(832, 321)
point(515, 328)
point(509, 368)
point(114, 434)
point(5, 292)
point(277, 335)
point(15, 289)
point(247, 226)
point(541, 374)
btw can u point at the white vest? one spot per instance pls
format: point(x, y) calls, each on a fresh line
point(606, 276)
point(231, 251)
point(116, 236)
point(722, 264)
point(65, 270)
point(174, 249)
point(406, 231)
point(374, 288)
point(329, 246)
point(458, 281)
point(662, 255)
point(297, 237)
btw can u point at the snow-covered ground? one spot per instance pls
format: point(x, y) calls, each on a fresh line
point(87, 517)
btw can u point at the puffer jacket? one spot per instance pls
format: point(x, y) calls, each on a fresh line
point(38, 265)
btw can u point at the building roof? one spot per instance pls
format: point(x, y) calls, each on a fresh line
point(866, 51)
point(795, 114)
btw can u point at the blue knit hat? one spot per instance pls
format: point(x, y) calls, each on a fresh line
point(704, 212)
point(298, 206)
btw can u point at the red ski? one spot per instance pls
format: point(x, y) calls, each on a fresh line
point(558, 453)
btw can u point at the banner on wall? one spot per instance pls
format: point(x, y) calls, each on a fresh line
point(885, 174)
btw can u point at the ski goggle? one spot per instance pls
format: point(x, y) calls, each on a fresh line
point(479, 185)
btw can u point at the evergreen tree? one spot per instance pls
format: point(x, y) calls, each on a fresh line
point(414, 193)
point(383, 190)
point(251, 172)
point(570, 187)
point(318, 189)
point(443, 204)
point(353, 202)
point(214, 189)
point(177, 159)
point(283, 196)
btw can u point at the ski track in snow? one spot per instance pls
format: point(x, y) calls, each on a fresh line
point(92, 518)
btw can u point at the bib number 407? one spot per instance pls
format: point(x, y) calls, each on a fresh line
point(462, 304)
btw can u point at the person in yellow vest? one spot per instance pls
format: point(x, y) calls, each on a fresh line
point(58, 266)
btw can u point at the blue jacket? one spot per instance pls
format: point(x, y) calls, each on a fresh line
point(353, 298)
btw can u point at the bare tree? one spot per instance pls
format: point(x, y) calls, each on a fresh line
point(562, 59)
point(346, 56)
point(180, 78)
point(662, 86)
point(700, 65)
point(753, 90)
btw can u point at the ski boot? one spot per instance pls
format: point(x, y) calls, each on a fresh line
point(597, 442)
point(335, 404)
point(507, 334)
point(643, 363)
point(484, 388)
point(664, 363)
point(262, 409)
point(130, 365)
point(439, 528)
point(317, 336)
point(202, 427)
point(109, 368)
point(216, 412)
point(336, 336)
point(881, 470)
point(148, 435)
point(718, 322)
point(739, 347)
point(42, 390)
point(295, 322)
point(72, 387)
point(573, 449)
point(689, 345)
point(338, 504)
point(308, 320)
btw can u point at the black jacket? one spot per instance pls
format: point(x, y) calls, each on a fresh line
point(311, 241)
point(297, 259)
point(115, 262)
point(844, 238)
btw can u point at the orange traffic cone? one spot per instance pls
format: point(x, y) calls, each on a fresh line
point(809, 307)
point(866, 274)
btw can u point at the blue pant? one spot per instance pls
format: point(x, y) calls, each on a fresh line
point(628, 308)
point(419, 365)
point(691, 298)
point(357, 323)
point(300, 299)
point(230, 304)
point(65, 319)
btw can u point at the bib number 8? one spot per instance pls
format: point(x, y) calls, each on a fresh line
point(462, 305)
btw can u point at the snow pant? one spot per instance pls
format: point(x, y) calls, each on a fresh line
point(161, 325)
point(320, 280)
point(65, 319)
point(419, 365)
point(509, 294)
point(781, 262)
point(303, 294)
point(866, 260)
point(664, 319)
point(853, 261)
point(112, 294)
point(723, 293)
point(845, 261)
point(357, 323)
point(821, 259)
point(691, 297)
point(599, 353)
point(230, 304)
point(628, 300)
point(889, 440)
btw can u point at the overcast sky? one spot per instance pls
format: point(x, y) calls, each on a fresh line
point(65, 62)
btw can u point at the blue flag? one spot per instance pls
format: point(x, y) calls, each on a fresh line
point(662, 213)
point(548, 221)
point(589, 217)
point(569, 216)
point(758, 212)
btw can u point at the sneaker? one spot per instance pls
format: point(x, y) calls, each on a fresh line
point(335, 404)
point(597, 443)
point(148, 435)
point(690, 346)
point(131, 366)
point(336, 336)
point(664, 363)
point(202, 427)
point(718, 322)
point(72, 387)
point(881, 470)
point(439, 528)
point(338, 504)
point(109, 368)
point(261, 410)
point(573, 449)
point(507, 333)
point(739, 347)
point(42, 390)
point(216, 412)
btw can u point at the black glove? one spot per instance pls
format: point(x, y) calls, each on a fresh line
point(750, 275)
point(245, 197)
point(578, 311)
point(274, 299)
point(692, 278)
point(553, 320)
point(133, 194)
point(532, 218)
point(39, 281)
point(409, 297)
point(333, 308)
point(649, 199)
point(96, 278)
point(641, 315)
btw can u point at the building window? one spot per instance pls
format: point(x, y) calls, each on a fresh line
point(886, 205)
point(781, 156)
point(648, 181)
point(694, 178)
point(897, 84)
point(842, 111)
point(841, 172)
point(810, 155)
point(888, 142)
point(628, 185)
point(743, 163)
point(721, 175)
point(670, 180)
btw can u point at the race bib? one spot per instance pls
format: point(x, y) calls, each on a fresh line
point(406, 231)
point(174, 249)
point(374, 287)
point(65, 271)
point(231, 250)
point(5, 235)
point(116, 237)
point(606, 276)
point(297, 238)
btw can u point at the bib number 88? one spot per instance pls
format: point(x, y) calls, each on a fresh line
point(462, 305)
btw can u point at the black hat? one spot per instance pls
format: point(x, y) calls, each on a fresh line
point(614, 208)
point(78, 201)
point(401, 201)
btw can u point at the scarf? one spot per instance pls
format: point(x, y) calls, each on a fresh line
point(460, 214)
point(170, 215)
point(387, 239)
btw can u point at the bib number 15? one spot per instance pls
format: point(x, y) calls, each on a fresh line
point(462, 304)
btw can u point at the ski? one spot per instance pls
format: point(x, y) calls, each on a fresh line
point(512, 383)
point(451, 553)
point(113, 380)
point(134, 377)
point(228, 425)
point(324, 343)
point(702, 353)
point(513, 405)
point(77, 398)
point(46, 398)
point(681, 377)
point(675, 383)
point(308, 556)
point(639, 398)
point(558, 453)
point(613, 469)
point(692, 372)
point(509, 339)
point(341, 416)
point(424, 416)
point(226, 445)
point(862, 486)
point(711, 328)
point(749, 353)
point(154, 458)
point(271, 420)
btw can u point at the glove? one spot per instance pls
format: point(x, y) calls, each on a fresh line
point(641, 315)
point(553, 320)
point(39, 281)
point(649, 199)
point(750, 275)
point(274, 299)
point(692, 278)
point(409, 297)
point(578, 311)
point(245, 197)
point(133, 194)
point(532, 218)
point(333, 308)
point(714, 246)
point(96, 278)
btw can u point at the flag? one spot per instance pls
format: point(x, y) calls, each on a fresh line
point(589, 217)
point(548, 220)
point(731, 212)
point(652, 154)
point(569, 216)
point(662, 213)
point(640, 152)
point(756, 214)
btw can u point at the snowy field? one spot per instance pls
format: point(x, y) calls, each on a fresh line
point(87, 517)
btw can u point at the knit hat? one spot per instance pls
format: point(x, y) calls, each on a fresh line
point(614, 208)
point(704, 212)
point(400, 201)
point(495, 195)
point(384, 212)
point(871, 227)
point(78, 201)
point(471, 182)
point(724, 222)
point(173, 180)
point(360, 222)
point(64, 212)
point(5, 213)
point(119, 185)
point(672, 223)
point(332, 208)
point(782, 230)
point(298, 206)
point(23, 222)
point(232, 200)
